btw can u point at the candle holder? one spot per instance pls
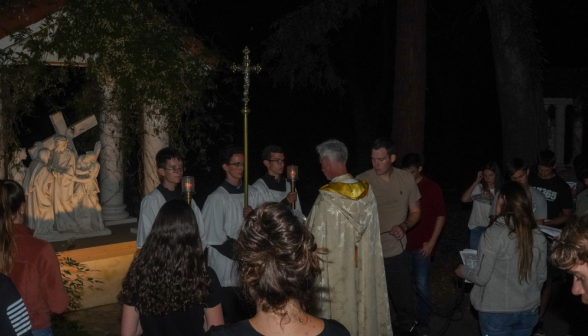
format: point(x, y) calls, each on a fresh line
point(188, 188)
point(293, 176)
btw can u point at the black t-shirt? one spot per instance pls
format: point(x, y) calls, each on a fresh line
point(189, 322)
point(244, 328)
point(14, 317)
point(557, 193)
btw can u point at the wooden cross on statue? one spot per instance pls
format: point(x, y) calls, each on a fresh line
point(61, 129)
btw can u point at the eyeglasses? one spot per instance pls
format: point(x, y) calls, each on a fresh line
point(237, 164)
point(176, 169)
point(278, 161)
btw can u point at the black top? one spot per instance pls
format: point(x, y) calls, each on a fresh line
point(188, 322)
point(231, 189)
point(557, 193)
point(277, 184)
point(170, 195)
point(14, 318)
point(244, 328)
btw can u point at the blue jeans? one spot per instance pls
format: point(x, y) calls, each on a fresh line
point(508, 324)
point(421, 270)
point(43, 332)
point(475, 235)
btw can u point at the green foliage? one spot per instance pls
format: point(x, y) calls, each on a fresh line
point(142, 56)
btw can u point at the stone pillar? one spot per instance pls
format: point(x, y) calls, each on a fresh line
point(155, 137)
point(560, 105)
point(111, 169)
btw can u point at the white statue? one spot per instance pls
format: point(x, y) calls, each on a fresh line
point(88, 212)
point(17, 169)
point(62, 166)
point(37, 188)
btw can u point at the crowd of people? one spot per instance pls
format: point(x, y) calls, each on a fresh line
point(359, 264)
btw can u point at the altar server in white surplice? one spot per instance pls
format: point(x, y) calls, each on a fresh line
point(273, 186)
point(224, 213)
point(170, 167)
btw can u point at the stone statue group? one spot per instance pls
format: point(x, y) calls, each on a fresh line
point(61, 188)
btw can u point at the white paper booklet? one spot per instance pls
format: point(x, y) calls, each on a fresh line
point(469, 258)
point(550, 231)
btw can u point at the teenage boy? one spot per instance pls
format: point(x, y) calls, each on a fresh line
point(224, 212)
point(559, 210)
point(273, 186)
point(421, 240)
point(170, 168)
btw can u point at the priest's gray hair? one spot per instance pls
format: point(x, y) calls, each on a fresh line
point(333, 149)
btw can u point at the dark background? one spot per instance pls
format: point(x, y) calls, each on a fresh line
point(463, 127)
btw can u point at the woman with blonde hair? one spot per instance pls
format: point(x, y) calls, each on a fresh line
point(511, 269)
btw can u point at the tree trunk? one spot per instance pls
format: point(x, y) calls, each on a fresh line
point(408, 120)
point(517, 61)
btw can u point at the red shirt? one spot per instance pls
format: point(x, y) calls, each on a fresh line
point(37, 277)
point(432, 206)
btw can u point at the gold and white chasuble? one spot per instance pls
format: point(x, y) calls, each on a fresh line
point(352, 285)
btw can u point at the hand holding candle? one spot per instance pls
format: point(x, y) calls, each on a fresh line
point(292, 176)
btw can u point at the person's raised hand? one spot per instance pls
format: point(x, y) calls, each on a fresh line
point(479, 176)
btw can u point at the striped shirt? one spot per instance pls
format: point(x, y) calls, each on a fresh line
point(14, 317)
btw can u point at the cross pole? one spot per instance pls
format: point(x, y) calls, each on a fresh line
point(246, 68)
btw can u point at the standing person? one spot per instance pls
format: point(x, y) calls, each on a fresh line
point(517, 170)
point(278, 267)
point(571, 254)
point(273, 186)
point(223, 213)
point(422, 239)
point(170, 167)
point(168, 289)
point(31, 263)
point(511, 268)
point(559, 210)
point(343, 220)
point(399, 209)
point(482, 193)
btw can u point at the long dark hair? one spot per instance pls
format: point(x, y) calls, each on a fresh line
point(517, 211)
point(12, 196)
point(277, 258)
point(169, 272)
point(498, 181)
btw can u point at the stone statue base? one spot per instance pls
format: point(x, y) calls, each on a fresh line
point(63, 236)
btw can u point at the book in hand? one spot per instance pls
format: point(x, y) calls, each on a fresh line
point(469, 258)
point(550, 231)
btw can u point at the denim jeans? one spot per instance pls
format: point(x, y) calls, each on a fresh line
point(508, 324)
point(421, 270)
point(43, 332)
point(475, 235)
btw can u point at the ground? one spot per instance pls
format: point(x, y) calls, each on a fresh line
point(452, 316)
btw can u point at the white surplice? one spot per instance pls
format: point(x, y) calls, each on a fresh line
point(223, 217)
point(150, 206)
point(268, 195)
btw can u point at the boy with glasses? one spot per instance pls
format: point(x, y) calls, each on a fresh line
point(273, 186)
point(170, 168)
point(224, 212)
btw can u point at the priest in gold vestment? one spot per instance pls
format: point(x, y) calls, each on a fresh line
point(344, 220)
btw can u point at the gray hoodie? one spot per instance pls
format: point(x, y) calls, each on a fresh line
point(497, 288)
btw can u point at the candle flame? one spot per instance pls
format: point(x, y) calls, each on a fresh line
point(188, 185)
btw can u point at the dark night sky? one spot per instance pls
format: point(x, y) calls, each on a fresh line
point(462, 122)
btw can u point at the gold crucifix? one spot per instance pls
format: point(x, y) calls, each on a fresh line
point(246, 68)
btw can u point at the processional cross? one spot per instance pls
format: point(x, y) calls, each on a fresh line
point(246, 68)
point(61, 129)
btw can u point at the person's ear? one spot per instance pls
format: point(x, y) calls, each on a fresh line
point(528, 171)
point(266, 163)
point(392, 158)
point(22, 207)
point(161, 172)
point(420, 169)
point(225, 167)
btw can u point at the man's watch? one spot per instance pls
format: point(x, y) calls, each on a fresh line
point(407, 227)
